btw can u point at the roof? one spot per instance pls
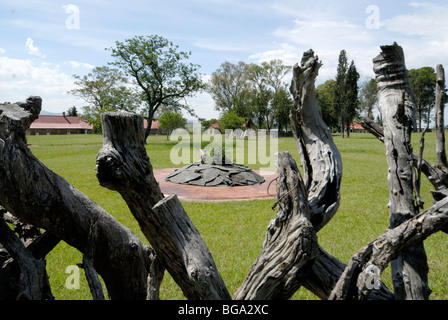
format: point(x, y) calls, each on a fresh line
point(68, 122)
point(154, 125)
point(356, 126)
point(59, 122)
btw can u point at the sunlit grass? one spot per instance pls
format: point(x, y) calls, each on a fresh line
point(234, 230)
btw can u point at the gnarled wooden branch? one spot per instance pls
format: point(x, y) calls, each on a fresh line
point(290, 246)
point(36, 195)
point(123, 165)
point(396, 102)
point(30, 284)
point(437, 177)
point(382, 250)
point(441, 162)
point(320, 158)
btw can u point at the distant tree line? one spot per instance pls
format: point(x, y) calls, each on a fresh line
point(252, 92)
point(151, 75)
point(343, 101)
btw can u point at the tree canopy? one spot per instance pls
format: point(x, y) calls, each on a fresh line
point(160, 70)
point(423, 84)
point(104, 89)
point(171, 120)
point(252, 91)
point(338, 98)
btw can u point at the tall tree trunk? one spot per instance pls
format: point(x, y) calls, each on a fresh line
point(441, 162)
point(396, 102)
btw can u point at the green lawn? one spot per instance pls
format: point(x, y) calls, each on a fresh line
point(234, 231)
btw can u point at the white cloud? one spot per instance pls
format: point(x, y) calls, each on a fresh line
point(326, 37)
point(427, 21)
point(213, 46)
point(32, 49)
point(22, 78)
point(2, 51)
point(76, 65)
point(422, 33)
point(284, 51)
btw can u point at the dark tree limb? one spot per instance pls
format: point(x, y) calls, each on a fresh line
point(96, 289)
point(155, 277)
point(32, 275)
point(355, 281)
point(36, 195)
point(437, 177)
point(290, 246)
point(123, 165)
point(320, 158)
point(396, 102)
point(441, 161)
point(325, 274)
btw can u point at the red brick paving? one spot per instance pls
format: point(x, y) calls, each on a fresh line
point(198, 193)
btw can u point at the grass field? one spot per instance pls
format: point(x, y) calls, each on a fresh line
point(234, 231)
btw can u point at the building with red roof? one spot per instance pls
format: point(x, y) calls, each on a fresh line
point(356, 127)
point(48, 125)
point(52, 124)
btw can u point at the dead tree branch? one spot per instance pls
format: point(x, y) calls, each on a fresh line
point(124, 166)
point(356, 281)
point(36, 195)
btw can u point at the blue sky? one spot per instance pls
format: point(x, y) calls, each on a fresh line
point(41, 46)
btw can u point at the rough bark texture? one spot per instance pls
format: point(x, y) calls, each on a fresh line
point(32, 276)
point(291, 256)
point(38, 245)
point(441, 162)
point(96, 289)
point(36, 195)
point(437, 177)
point(300, 203)
point(396, 102)
point(386, 247)
point(325, 274)
point(320, 158)
point(290, 246)
point(123, 165)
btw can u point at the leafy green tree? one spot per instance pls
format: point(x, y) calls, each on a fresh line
point(351, 96)
point(230, 120)
point(282, 104)
point(340, 89)
point(228, 86)
point(423, 84)
point(171, 120)
point(160, 70)
point(104, 89)
point(72, 112)
point(346, 93)
point(326, 94)
point(249, 90)
point(267, 81)
point(368, 97)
